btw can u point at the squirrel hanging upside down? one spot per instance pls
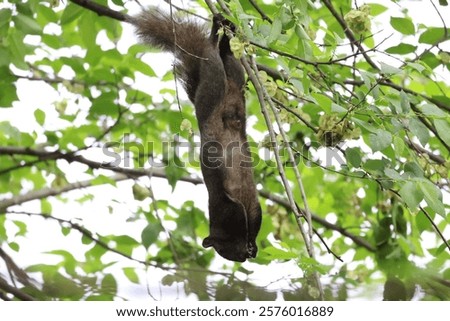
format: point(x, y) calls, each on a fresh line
point(214, 81)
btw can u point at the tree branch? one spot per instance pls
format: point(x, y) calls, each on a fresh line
point(46, 192)
point(419, 149)
point(102, 10)
point(15, 272)
point(260, 11)
point(15, 291)
point(124, 173)
point(358, 240)
point(349, 33)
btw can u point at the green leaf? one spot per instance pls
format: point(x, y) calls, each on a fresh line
point(432, 110)
point(278, 254)
point(275, 31)
point(4, 58)
point(46, 206)
point(389, 70)
point(87, 28)
point(353, 156)
point(109, 284)
point(412, 169)
point(18, 49)
point(2, 225)
point(131, 274)
point(5, 17)
point(22, 228)
point(375, 165)
point(443, 129)
point(94, 255)
point(52, 41)
point(125, 240)
point(27, 25)
point(376, 9)
point(102, 179)
point(393, 174)
point(71, 12)
point(6, 129)
point(432, 35)
point(399, 146)
point(368, 78)
point(433, 196)
point(140, 193)
point(69, 261)
point(14, 246)
point(84, 239)
point(403, 25)
point(150, 234)
point(40, 116)
point(419, 130)
point(186, 125)
point(71, 137)
point(404, 102)
point(323, 101)
point(46, 14)
point(422, 223)
point(420, 68)
point(335, 108)
point(381, 140)
point(58, 286)
point(142, 67)
point(402, 49)
point(411, 195)
point(8, 94)
point(174, 173)
point(170, 279)
point(403, 243)
point(104, 105)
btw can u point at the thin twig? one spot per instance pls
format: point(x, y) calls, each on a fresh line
point(434, 45)
point(85, 232)
point(296, 114)
point(260, 11)
point(263, 96)
point(329, 250)
point(156, 211)
point(419, 149)
point(436, 228)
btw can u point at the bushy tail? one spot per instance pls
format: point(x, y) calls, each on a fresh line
point(157, 29)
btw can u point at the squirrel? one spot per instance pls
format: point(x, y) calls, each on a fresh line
point(214, 82)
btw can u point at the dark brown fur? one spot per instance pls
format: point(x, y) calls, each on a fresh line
point(214, 81)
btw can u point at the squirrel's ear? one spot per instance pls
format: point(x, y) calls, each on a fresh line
point(207, 242)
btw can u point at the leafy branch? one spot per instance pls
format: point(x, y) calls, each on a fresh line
point(126, 174)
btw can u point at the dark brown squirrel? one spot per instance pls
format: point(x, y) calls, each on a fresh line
point(214, 81)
